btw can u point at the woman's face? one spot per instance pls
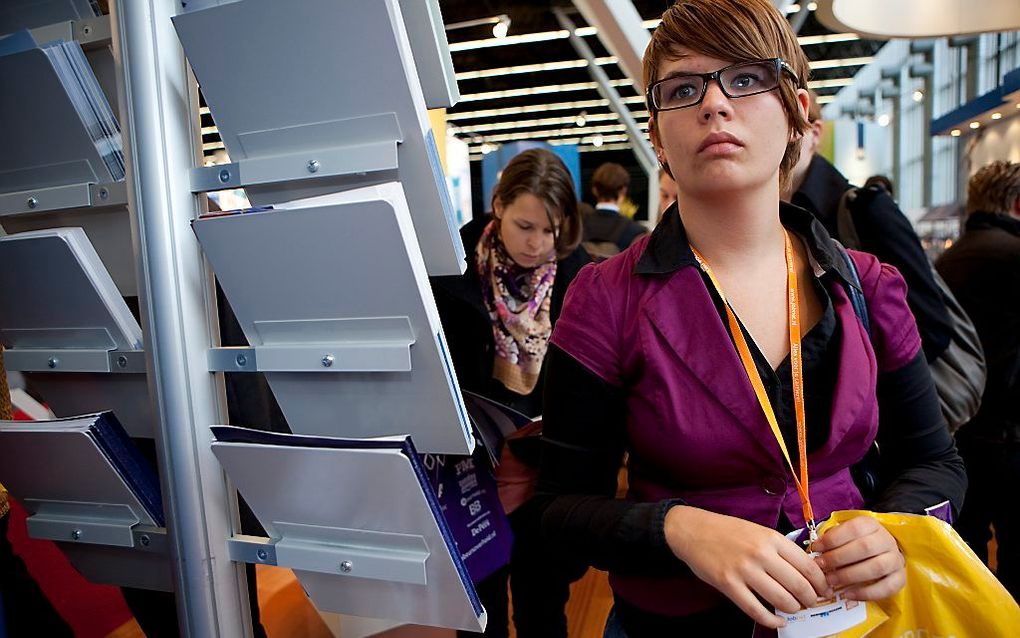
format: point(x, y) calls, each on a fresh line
point(722, 145)
point(525, 230)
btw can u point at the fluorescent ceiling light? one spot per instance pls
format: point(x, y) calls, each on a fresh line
point(545, 36)
point(830, 84)
point(825, 99)
point(532, 68)
point(539, 90)
point(546, 121)
point(835, 64)
point(548, 133)
point(539, 108)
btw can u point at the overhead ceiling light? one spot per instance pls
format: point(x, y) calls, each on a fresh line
point(539, 108)
point(975, 125)
point(538, 90)
point(581, 119)
point(551, 133)
point(545, 121)
point(532, 68)
point(829, 84)
point(793, 8)
point(918, 95)
point(500, 29)
point(955, 132)
point(597, 141)
point(812, 6)
point(562, 34)
point(487, 148)
point(835, 64)
point(996, 116)
point(884, 119)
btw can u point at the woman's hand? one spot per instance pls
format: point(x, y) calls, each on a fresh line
point(861, 556)
point(744, 560)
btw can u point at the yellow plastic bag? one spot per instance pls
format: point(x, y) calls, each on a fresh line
point(949, 591)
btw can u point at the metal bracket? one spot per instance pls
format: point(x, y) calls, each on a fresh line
point(72, 360)
point(89, 32)
point(339, 551)
point(68, 197)
point(111, 524)
point(359, 344)
point(355, 160)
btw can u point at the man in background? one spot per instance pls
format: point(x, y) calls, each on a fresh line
point(983, 271)
point(606, 231)
point(882, 229)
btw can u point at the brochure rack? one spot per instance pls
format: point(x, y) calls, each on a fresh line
point(322, 108)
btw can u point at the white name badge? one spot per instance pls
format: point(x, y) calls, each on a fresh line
point(824, 620)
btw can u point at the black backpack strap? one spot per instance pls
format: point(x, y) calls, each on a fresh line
point(855, 293)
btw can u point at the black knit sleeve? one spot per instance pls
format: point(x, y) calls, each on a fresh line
point(919, 464)
point(575, 512)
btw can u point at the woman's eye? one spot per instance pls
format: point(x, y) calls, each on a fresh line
point(683, 91)
point(745, 81)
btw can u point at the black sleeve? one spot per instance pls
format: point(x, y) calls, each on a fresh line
point(886, 233)
point(919, 464)
point(574, 512)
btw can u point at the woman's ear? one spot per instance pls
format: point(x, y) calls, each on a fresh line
point(497, 208)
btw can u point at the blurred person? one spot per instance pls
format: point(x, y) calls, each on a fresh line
point(658, 351)
point(883, 230)
point(607, 231)
point(497, 318)
point(880, 181)
point(983, 271)
point(667, 192)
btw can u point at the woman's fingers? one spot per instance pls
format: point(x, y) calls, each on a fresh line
point(750, 605)
point(776, 593)
point(874, 568)
point(847, 532)
point(807, 568)
point(882, 588)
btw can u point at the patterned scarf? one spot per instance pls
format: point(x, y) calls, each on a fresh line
point(518, 301)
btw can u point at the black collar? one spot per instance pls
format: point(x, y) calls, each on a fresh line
point(982, 220)
point(667, 249)
point(821, 191)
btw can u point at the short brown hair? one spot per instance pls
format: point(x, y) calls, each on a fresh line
point(541, 173)
point(736, 30)
point(994, 189)
point(609, 179)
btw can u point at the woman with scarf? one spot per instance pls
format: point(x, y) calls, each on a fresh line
point(497, 318)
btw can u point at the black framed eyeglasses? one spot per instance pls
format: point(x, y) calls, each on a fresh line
point(742, 79)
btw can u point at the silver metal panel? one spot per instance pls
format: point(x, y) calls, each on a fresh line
point(109, 230)
point(330, 62)
point(119, 566)
point(49, 146)
point(427, 34)
point(58, 360)
point(61, 467)
point(236, 359)
point(380, 494)
point(351, 256)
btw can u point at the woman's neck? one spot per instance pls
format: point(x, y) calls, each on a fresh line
point(733, 232)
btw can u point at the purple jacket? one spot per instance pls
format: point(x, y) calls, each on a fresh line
point(694, 427)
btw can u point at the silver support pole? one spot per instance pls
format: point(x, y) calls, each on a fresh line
point(159, 116)
point(639, 144)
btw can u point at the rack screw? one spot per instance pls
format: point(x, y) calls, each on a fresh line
point(313, 166)
point(53, 362)
point(262, 554)
point(76, 534)
point(122, 361)
point(32, 202)
point(241, 360)
point(328, 360)
point(346, 566)
point(224, 176)
point(144, 540)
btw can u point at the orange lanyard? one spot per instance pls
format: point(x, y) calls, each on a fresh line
point(798, 376)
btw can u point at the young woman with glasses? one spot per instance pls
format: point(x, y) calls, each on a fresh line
point(724, 355)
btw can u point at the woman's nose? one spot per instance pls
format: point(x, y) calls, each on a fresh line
point(715, 104)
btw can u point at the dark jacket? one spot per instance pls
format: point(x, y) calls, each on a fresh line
point(606, 224)
point(886, 233)
point(983, 271)
point(468, 329)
